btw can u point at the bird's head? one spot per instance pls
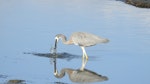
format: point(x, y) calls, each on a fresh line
point(56, 40)
point(57, 37)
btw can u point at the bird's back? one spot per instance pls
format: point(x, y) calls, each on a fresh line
point(86, 39)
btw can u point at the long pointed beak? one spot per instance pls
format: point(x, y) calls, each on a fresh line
point(55, 43)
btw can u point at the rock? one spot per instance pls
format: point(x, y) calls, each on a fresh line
point(16, 81)
point(139, 3)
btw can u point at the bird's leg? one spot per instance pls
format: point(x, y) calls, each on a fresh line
point(84, 58)
point(84, 52)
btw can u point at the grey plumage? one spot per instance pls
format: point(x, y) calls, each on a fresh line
point(86, 39)
point(81, 39)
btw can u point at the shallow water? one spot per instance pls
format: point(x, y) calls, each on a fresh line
point(28, 28)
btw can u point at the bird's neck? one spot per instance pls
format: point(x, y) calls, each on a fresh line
point(64, 40)
point(62, 72)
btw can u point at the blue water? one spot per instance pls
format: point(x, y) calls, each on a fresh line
point(28, 29)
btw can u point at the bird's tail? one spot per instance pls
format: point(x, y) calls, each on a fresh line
point(105, 40)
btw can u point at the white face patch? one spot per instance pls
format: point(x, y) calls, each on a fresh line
point(56, 38)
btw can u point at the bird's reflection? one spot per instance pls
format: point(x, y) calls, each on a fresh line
point(78, 75)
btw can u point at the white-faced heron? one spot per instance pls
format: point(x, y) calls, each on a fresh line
point(81, 39)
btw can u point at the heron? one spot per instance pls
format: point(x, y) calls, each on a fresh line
point(79, 76)
point(82, 39)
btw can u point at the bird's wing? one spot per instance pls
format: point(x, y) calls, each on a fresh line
point(85, 39)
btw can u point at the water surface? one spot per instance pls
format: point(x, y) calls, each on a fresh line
point(28, 28)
